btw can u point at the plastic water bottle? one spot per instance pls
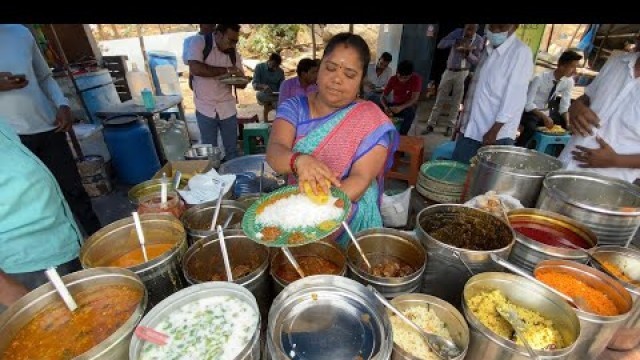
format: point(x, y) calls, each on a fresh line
point(137, 80)
point(147, 98)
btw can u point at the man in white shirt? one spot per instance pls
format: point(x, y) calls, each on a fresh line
point(204, 29)
point(378, 76)
point(549, 97)
point(497, 94)
point(605, 122)
point(32, 103)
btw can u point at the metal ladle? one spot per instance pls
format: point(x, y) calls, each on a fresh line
point(444, 348)
point(509, 314)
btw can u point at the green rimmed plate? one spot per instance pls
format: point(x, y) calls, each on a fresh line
point(298, 236)
point(445, 171)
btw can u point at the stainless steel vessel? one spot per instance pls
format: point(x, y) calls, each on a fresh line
point(163, 275)
point(114, 347)
point(381, 245)
point(328, 317)
point(527, 253)
point(486, 344)
point(511, 170)
point(609, 206)
point(449, 267)
point(595, 330)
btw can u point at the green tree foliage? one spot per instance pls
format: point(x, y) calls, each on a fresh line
point(267, 38)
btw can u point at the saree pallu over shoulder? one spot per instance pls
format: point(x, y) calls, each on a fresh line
point(336, 143)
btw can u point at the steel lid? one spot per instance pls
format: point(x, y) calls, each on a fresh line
point(328, 317)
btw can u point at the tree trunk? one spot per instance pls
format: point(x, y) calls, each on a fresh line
point(114, 29)
point(313, 40)
point(161, 28)
point(351, 28)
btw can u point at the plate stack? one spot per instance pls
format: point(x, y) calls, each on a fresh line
point(442, 181)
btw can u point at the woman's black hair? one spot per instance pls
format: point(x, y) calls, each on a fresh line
point(354, 41)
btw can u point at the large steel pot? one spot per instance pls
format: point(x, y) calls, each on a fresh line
point(609, 206)
point(449, 267)
point(447, 313)
point(325, 249)
point(204, 259)
point(486, 344)
point(328, 317)
point(114, 347)
point(527, 253)
point(146, 188)
point(197, 219)
point(194, 293)
point(595, 330)
point(627, 260)
point(511, 170)
point(381, 244)
point(163, 275)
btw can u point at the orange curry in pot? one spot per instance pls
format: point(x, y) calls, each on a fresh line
point(56, 333)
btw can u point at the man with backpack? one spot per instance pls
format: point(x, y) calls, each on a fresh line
point(212, 56)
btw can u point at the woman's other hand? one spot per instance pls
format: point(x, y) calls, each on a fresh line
point(315, 172)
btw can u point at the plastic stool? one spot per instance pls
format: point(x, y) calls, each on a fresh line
point(548, 143)
point(246, 120)
point(412, 146)
point(250, 133)
point(444, 151)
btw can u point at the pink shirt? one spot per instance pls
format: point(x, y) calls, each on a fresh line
point(211, 97)
point(291, 87)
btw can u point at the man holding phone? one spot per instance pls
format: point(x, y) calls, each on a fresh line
point(32, 103)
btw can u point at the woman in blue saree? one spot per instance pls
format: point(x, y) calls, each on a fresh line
point(333, 137)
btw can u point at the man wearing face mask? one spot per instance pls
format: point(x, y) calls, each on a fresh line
point(497, 94)
point(214, 101)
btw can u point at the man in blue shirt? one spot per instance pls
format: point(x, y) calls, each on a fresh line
point(466, 47)
point(37, 228)
point(266, 81)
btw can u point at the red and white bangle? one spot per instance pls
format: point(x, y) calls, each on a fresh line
point(292, 162)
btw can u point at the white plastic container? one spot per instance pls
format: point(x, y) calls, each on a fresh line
point(137, 80)
point(168, 79)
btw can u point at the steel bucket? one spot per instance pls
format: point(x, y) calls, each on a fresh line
point(595, 330)
point(114, 347)
point(447, 313)
point(511, 170)
point(451, 265)
point(194, 293)
point(628, 260)
point(146, 188)
point(527, 253)
point(609, 206)
point(325, 249)
point(197, 219)
point(204, 258)
point(328, 317)
point(163, 275)
point(486, 344)
point(377, 243)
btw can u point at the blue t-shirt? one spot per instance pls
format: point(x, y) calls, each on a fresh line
point(37, 228)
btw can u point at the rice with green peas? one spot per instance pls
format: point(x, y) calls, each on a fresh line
point(409, 340)
point(540, 332)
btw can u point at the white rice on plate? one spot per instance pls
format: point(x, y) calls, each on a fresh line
point(409, 340)
point(298, 211)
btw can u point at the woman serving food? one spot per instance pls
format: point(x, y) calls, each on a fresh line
point(332, 138)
